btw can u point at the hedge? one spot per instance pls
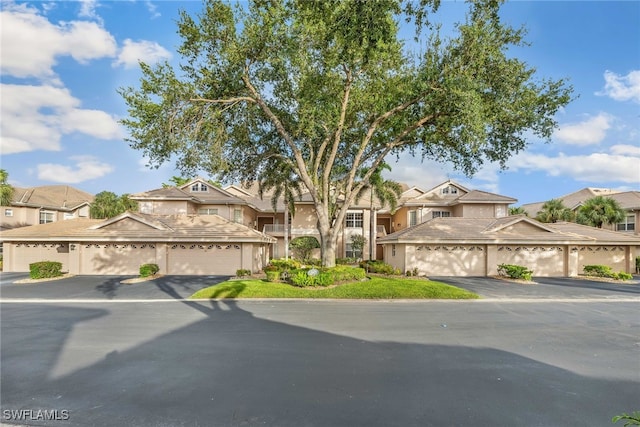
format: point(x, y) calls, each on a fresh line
point(45, 269)
point(147, 270)
point(515, 271)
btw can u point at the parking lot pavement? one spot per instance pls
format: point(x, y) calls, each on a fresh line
point(104, 287)
point(545, 287)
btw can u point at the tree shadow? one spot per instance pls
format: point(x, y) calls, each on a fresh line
point(231, 368)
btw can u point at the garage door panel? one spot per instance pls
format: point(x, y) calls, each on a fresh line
point(450, 260)
point(543, 260)
point(613, 256)
point(199, 259)
point(111, 258)
point(28, 253)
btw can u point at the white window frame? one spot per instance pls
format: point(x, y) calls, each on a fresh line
point(199, 187)
point(46, 215)
point(413, 218)
point(69, 215)
point(208, 211)
point(440, 214)
point(353, 219)
point(629, 224)
point(8, 212)
point(237, 215)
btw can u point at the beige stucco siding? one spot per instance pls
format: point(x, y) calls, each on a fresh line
point(173, 207)
point(452, 260)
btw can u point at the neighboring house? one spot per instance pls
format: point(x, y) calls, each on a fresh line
point(628, 200)
point(179, 244)
point(42, 205)
point(449, 246)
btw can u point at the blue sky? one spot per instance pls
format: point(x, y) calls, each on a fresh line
point(62, 63)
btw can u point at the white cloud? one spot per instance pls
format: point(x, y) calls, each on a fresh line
point(29, 56)
point(153, 10)
point(36, 117)
point(626, 150)
point(591, 131)
point(149, 52)
point(84, 169)
point(622, 88)
point(88, 9)
point(621, 165)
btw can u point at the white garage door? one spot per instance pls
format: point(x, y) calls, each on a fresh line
point(24, 254)
point(110, 258)
point(543, 260)
point(613, 256)
point(199, 259)
point(449, 260)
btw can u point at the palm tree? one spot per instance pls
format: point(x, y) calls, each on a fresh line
point(553, 211)
point(107, 204)
point(517, 211)
point(600, 210)
point(385, 190)
point(6, 190)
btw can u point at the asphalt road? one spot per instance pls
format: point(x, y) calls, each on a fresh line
point(297, 363)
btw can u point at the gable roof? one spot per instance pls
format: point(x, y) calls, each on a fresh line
point(58, 197)
point(434, 197)
point(511, 229)
point(161, 228)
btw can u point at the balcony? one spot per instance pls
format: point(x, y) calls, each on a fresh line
point(275, 229)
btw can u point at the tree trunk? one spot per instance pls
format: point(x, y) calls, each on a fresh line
point(328, 244)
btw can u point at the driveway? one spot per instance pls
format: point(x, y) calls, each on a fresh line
point(104, 287)
point(545, 287)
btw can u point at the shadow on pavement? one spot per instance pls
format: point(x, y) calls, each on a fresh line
point(233, 369)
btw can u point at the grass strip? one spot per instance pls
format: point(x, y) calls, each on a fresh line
point(375, 288)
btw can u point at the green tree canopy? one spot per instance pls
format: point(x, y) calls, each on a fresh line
point(600, 210)
point(6, 189)
point(325, 89)
point(553, 211)
point(107, 204)
point(303, 245)
point(517, 210)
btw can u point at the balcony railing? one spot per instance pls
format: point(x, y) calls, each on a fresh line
point(381, 231)
point(274, 229)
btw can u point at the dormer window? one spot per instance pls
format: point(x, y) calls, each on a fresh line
point(449, 190)
point(199, 187)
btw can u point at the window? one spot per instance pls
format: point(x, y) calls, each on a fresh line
point(354, 220)
point(449, 190)
point(629, 224)
point(237, 215)
point(69, 215)
point(8, 212)
point(413, 218)
point(207, 211)
point(46, 217)
point(199, 187)
point(350, 253)
point(440, 214)
point(393, 250)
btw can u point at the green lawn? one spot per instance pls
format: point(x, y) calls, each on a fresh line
point(375, 288)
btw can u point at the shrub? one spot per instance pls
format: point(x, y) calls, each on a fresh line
point(301, 278)
point(315, 262)
point(378, 267)
point(147, 270)
point(45, 269)
point(344, 273)
point(345, 261)
point(623, 276)
point(358, 242)
point(243, 272)
point(598, 271)
point(324, 279)
point(272, 275)
point(638, 264)
point(515, 271)
point(285, 264)
point(303, 245)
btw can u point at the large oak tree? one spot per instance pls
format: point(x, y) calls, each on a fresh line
point(323, 90)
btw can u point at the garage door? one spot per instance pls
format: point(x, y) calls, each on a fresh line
point(204, 259)
point(613, 256)
point(449, 260)
point(543, 260)
point(24, 254)
point(100, 258)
